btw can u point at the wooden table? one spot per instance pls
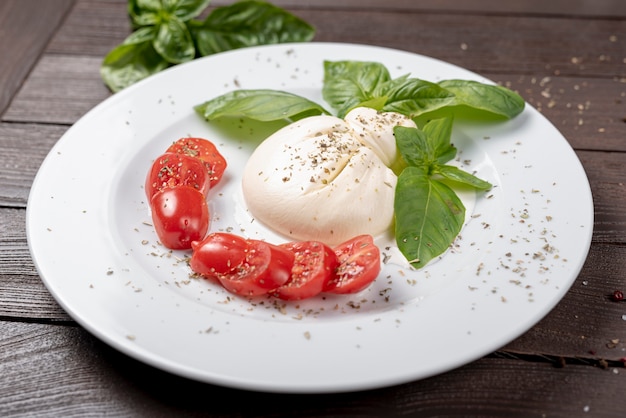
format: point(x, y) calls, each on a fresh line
point(568, 59)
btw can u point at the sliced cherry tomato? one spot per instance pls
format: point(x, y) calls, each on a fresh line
point(206, 151)
point(314, 265)
point(180, 216)
point(359, 265)
point(265, 268)
point(171, 170)
point(218, 253)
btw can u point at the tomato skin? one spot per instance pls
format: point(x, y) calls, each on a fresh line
point(172, 170)
point(314, 265)
point(266, 267)
point(204, 150)
point(359, 265)
point(218, 253)
point(180, 216)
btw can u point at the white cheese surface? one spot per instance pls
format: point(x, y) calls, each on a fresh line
point(324, 178)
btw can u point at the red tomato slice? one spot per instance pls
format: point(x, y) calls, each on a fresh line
point(204, 150)
point(266, 267)
point(313, 267)
point(359, 265)
point(180, 216)
point(171, 170)
point(218, 253)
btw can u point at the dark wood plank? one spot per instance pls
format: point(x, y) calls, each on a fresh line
point(486, 43)
point(598, 8)
point(90, 379)
point(92, 28)
point(22, 293)
point(23, 148)
point(24, 36)
point(60, 90)
point(610, 218)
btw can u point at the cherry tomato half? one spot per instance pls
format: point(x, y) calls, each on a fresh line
point(204, 150)
point(180, 216)
point(171, 170)
point(218, 253)
point(359, 265)
point(314, 265)
point(265, 268)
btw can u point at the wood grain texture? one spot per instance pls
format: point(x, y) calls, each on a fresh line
point(598, 8)
point(96, 380)
point(23, 148)
point(536, 44)
point(24, 37)
point(566, 58)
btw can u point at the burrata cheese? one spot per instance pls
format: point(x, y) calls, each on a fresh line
point(325, 178)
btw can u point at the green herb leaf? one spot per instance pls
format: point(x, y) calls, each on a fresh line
point(428, 147)
point(248, 23)
point(439, 133)
point(350, 84)
point(261, 105)
point(173, 41)
point(414, 147)
point(177, 38)
point(456, 174)
point(428, 216)
point(132, 61)
point(187, 9)
point(413, 97)
point(144, 12)
point(486, 97)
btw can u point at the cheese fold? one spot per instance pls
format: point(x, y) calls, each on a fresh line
point(325, 178)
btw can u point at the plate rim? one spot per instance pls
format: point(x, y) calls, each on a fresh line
point(133, 351)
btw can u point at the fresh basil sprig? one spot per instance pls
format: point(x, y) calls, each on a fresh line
point(247, 23)
point(167, 34)
point(428, 213)
point(350, 84)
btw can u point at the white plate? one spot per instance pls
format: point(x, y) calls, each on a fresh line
point(89, 234)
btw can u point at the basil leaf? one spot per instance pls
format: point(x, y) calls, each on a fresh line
point(188, 9)
point(348, 84)
point(439, 132)
point(261, 105)
point(173, 41)
point(414, 147)
point(141, 35)
point(133, 60)
point(490, 98)
point(456, 174)
point(144, 12)
point(413, 97)
point(428, 147)
point(428, 216)
point(248, 23)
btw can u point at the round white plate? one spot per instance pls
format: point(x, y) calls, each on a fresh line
point(89, 233)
